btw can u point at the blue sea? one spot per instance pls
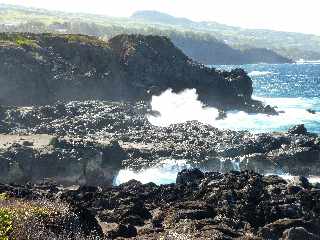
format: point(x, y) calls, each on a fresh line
point(292, 87)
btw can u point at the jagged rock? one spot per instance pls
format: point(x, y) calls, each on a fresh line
point(68, 162)
point(189, 176)
point(299, 233)
point(311, 111)
point(142, 145)
point(302, 181)
point(234, 205)
point(128, 231)
point(299, 129)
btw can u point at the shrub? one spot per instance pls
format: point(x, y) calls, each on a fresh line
point(6, 224)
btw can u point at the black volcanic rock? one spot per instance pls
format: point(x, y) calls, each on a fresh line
point(67, 161)
point(235, 205)
point(142, 145)
point(299, 129)
point(45, 68)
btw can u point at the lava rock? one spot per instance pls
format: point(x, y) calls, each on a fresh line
point(189, 176)
point(299, 129)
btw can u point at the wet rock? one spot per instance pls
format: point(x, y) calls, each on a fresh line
point(299, 129)
point(299, 233)
point(302, 181)
point(189, 176)
point(125, 231)
point(311, 111)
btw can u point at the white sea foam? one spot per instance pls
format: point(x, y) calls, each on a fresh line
point(163, 173)
point(302, 61)
point(167, 171)
point(182, 107)
point(259, 73)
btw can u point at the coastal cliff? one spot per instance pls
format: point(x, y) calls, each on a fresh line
point(45, 68)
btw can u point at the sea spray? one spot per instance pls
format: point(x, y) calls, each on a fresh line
point(182, 107)
point(259, 73)
point(164, 173)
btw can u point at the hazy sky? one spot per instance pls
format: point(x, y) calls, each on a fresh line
point(287, 15)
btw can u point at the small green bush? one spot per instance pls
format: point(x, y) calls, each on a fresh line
point(6, 224)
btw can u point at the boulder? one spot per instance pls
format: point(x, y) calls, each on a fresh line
point(299, 129)
point(189, 176)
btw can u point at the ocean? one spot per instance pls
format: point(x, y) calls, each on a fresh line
point(292, 88)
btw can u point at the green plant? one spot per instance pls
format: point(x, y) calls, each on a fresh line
point(6, 224)
point(3, 196)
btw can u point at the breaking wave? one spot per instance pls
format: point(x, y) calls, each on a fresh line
point(259, 73)
point(164, 173)
point(185, 106)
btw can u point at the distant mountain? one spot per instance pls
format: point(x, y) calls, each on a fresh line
point(289, 44)
point(206, 42)
point(212, 51)
point(158, 17)
point(164, 18)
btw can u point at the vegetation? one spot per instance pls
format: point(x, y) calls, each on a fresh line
point(6, 224)
point(18, 39)
point(22, 219)
point(85, 39)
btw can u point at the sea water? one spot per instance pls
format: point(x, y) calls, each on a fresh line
point(292, 88)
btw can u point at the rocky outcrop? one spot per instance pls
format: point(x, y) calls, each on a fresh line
point(45, 68)
point(295, 152)
point(64, 161)
point(235, 205)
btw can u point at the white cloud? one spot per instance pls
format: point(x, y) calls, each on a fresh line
point(289, 15)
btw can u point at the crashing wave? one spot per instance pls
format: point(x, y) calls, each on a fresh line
point(259, 73)
point(185, 106)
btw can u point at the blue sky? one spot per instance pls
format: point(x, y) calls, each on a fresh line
point(286, 15)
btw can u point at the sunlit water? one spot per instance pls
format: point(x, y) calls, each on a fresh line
point(293, 88)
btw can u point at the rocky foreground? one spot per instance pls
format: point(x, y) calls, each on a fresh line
point(235, 205)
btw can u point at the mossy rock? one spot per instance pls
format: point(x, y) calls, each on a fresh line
point(21, 40)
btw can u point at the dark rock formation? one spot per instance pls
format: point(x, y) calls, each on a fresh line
point(142, 145)
point(44, 68)
point(63, 161)
point(235, 205)
point(299, 129)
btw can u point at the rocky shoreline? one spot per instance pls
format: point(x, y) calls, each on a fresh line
point(114, 135)
point(69, 124)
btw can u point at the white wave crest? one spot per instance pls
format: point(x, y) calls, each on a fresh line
point(182, 107)
point(259, 73)
point(164, 173)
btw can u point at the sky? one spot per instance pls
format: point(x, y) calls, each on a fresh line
point(285, 15)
